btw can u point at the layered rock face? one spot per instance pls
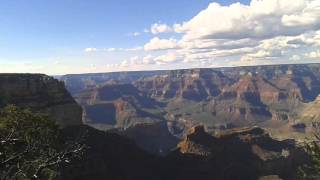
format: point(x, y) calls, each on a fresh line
point(221, 98)
point(197, 84)
point(40, 93)
point(116, 105)
point(76, 83)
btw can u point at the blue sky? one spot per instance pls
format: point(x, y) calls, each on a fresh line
point(78, 36)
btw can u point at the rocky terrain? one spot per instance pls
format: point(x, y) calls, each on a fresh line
point(276, 97)
point(40, 93)
point(79, 82)
point(165, 147)
point(238, 154)
point(246, 153)
point(117, 105)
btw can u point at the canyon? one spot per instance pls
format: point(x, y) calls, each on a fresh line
point(275, 97)
point(223, 123)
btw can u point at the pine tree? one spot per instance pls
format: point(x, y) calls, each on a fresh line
point(31, 146)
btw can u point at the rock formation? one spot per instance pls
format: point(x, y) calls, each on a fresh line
point(40, 93)
point(245, 153)
point(239, 154)
point(222, 98)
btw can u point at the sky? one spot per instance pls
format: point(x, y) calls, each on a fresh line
point(81, 36)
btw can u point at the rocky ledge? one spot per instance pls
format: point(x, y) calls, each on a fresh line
point(245, 152)
point(40, 93)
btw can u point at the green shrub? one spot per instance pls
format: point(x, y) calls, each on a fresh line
point(30, 145)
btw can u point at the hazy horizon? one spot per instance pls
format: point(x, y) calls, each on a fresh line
point(146, 70)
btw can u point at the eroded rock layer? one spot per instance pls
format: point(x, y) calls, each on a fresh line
point(40, 93)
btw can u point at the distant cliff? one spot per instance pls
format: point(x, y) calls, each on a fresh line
point(221, 98)
point(40, 93)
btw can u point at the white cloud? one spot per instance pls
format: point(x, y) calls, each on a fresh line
point(90, 50)
point(264, 29)
point(178, 28)
point(160, 28)
point(260, 19)
point(266, 54)
point(169, 58)
point(313, 54)
point(133, 61)
point(308, 16)
point(160, 44)
point(149, 59)
point(248, 61)
point(124, 63)
point(263, 32)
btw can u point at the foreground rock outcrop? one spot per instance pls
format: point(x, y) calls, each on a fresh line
point(240, 154)
point(40, 93)
point(108, 156)
point(248, 153)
